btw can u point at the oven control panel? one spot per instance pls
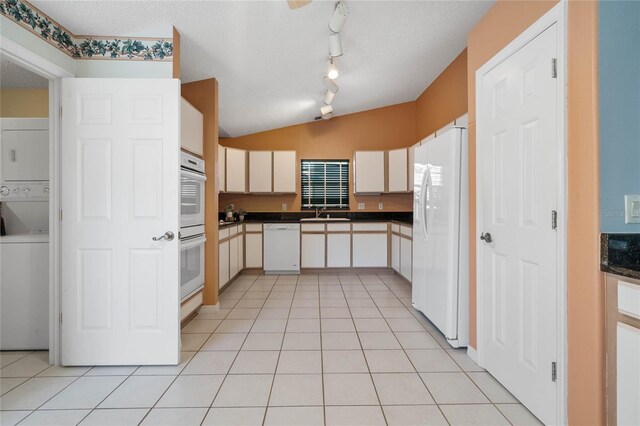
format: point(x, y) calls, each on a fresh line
point(24, 191)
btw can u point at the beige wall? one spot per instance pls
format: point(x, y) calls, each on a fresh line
point(18, 103)
point(585, 298)
point(444, 100)
point(379, 129)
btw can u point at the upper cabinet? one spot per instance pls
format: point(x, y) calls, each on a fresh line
point(397, 166)
point(222, 172)
point(260, 167)
point(369, 172)
point(236, 169)
point(268, 172)
point(378, 172)
point(284, 172)
point(191, 128)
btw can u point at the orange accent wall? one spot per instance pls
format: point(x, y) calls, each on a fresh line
point(585, 297)
point(444, 100)
point(378, 129)
point(203, 95)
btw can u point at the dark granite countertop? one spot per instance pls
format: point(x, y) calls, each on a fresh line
point(620, 254)
point(405, 218)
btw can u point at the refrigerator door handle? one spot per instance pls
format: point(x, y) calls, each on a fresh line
point(423, 203)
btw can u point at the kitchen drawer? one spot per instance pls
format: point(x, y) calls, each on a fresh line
point(381, 226)
point(629, 299)
point(312, 227)
point(395, 228)
point(233, 230)
point(224, 233)
point(406, 231)
point(253, 227)
point(333, 227)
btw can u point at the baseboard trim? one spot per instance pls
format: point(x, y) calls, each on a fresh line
point(473, 354)
point(209, 309)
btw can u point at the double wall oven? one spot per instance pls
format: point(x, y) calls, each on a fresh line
point(192, 239)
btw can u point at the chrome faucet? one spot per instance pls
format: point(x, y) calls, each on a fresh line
point(319, 211)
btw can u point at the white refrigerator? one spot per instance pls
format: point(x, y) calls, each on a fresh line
point(440, 234)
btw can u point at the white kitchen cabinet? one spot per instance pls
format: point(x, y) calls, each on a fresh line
point(284, 172)
point(191, 128)
point(628, 374)
point(236, 170)
point(233, 257)
point(260, 166)
point(397, 167)
point(338, 250)
point(222, 172)
point(395, 252)
point(223, 263)
point(369, 172)
point(312, 251)
point(253, 250)
point(369, 250)
point(240, 253)
point(405, 258)
point(410, 172)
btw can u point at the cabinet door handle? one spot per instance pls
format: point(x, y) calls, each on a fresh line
point(13, 155)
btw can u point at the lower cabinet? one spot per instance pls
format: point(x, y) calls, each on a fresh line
point(395, 252)
point(338, 250)
point(254, 250)
point(312, 251)
point(233, 257)
point(406, 257)
point(223, 263)
point(369, 250)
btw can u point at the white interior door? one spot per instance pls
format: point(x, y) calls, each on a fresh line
point(120, 187)
point(518, 164)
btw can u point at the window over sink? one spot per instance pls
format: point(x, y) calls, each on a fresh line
point(325, 183)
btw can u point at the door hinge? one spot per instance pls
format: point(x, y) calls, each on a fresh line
point(554, 372)
point(554, 219)
point(554, 68)
point(60, 317)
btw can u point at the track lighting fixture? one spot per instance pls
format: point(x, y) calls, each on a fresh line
point(332, 89)
point(332, 71)
point(326, 112)
point(335, 45)
point(339, 17)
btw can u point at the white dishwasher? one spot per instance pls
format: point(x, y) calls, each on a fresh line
point(281, 248)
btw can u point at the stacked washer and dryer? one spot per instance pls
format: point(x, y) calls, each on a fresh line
point(24, 250)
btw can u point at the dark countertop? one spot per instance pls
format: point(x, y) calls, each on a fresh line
point(405, 218)
point(620, 254)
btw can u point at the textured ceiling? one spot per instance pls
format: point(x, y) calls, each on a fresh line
point(13, 76)
point(270, 60)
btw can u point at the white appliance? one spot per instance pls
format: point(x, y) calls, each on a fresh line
point(192, 239)
point(24, 292)
point(440, 287)
point(281, 248)
point(192, 180)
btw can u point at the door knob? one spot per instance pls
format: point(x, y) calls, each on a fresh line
point(167, 236)
point(486, 237)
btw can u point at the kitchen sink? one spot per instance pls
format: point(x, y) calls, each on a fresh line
point(325, 219)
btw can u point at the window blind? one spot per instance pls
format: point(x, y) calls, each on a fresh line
point(325, 183)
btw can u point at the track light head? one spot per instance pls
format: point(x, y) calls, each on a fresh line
point(328, 97)
point(332, 71)
point(326, 112)
point(339, 17)
point(330, 85)
point(335, 45)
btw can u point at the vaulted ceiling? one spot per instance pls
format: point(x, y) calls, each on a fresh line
point(270, 60)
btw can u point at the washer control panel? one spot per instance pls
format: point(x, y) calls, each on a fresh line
point(24, 191)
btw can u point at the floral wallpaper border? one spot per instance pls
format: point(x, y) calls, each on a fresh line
point(85, 47)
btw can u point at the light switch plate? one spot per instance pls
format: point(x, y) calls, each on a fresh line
point(360, 206)
point(632, 209)
point(284, 206)
point(380, 206)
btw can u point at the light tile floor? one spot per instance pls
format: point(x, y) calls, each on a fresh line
point(282, 350)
